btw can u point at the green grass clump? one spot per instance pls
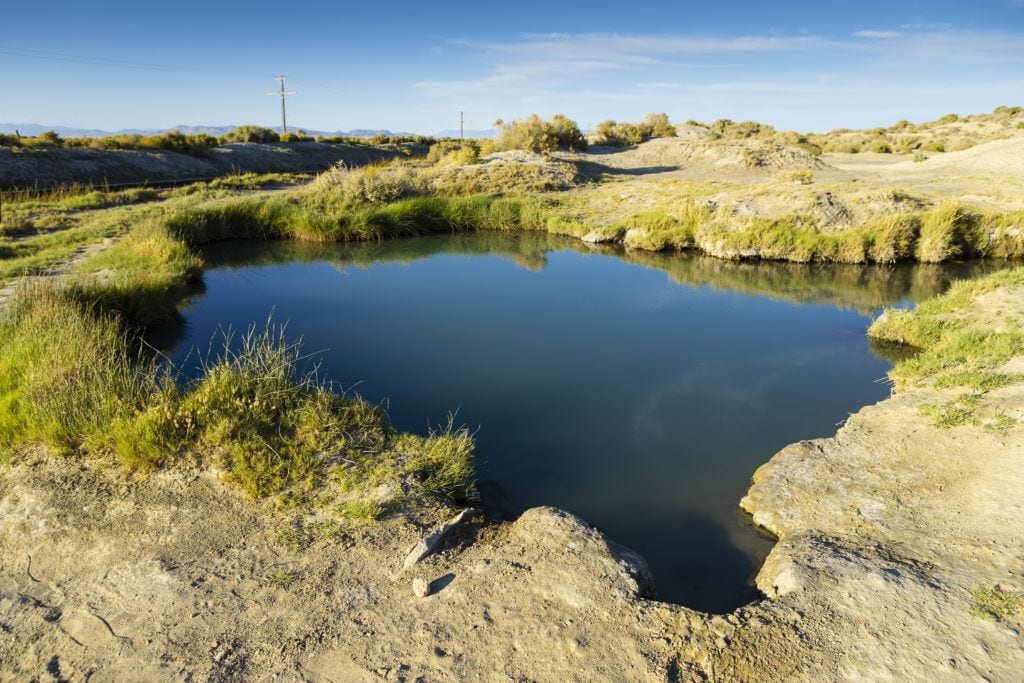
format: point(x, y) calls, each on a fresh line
point(271, 427)
point(978, 380)
point(996, 604)
point(148, 272)
point(944, 233)
point(970, 355)
point(66, 374)
point(359, 510)
point(442, 461)
point(281, 579)
point(956, 351)
point(887, 240)
point(947, 416)
point(960, 411)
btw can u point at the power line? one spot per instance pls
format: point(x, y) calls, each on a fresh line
point(149, 66)
point(283, 94)
point(104, 61)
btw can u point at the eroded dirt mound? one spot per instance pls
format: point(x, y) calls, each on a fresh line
point(512, 171)
point(1003, 157)
point(671, 153)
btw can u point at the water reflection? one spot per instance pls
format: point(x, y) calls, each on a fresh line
point(640, 402)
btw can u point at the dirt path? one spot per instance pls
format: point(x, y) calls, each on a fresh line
point(56, 271)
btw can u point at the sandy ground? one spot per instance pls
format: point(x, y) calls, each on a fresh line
point(749, 179)
point(886, 531)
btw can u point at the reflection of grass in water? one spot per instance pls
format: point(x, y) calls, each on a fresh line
point(861, 288)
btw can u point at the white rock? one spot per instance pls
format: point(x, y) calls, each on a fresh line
point(430, 542)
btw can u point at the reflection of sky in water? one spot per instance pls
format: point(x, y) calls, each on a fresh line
point(598, 385)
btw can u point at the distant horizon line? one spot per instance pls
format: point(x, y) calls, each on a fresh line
point(30, 129)
point(33, 128)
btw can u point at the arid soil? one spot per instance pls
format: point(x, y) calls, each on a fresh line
point(887, 532)
point(744, 180)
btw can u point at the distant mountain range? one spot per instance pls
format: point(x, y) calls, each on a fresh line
point(30, 129)
point(469, 133)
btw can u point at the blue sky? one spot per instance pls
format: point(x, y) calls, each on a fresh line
point(413, 65)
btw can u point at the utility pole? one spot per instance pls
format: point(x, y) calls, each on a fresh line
point(462, 122)
point(282, 94)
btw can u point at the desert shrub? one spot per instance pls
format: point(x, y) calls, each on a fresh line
point(725, 129)
point(371, 185)
point(615, 134)
point(731, 130)
point(660, 125)
point(919, 157)
point(174, 141)
point(801, 176)
point(296, 136)
point(250, 133)
point(376, 140)
point(454, 152)
point(881, 147)
point(534, 134)
point(511, 173)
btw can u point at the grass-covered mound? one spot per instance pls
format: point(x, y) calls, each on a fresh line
point(958, 350)
point(74, 380)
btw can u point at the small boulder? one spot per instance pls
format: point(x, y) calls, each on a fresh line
point(602, 236)
point(420, 587)
point(430, 542)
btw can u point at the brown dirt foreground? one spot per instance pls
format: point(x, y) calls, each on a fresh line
point(887, 533)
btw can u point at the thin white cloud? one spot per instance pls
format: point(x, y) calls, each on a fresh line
point(802, 77)
point(882, 35)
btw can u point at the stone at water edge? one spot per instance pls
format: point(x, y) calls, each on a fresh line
point(601, 237)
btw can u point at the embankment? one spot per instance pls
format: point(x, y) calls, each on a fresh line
point(48, 167)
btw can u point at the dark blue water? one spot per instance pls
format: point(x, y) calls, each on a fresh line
point(638, 391)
